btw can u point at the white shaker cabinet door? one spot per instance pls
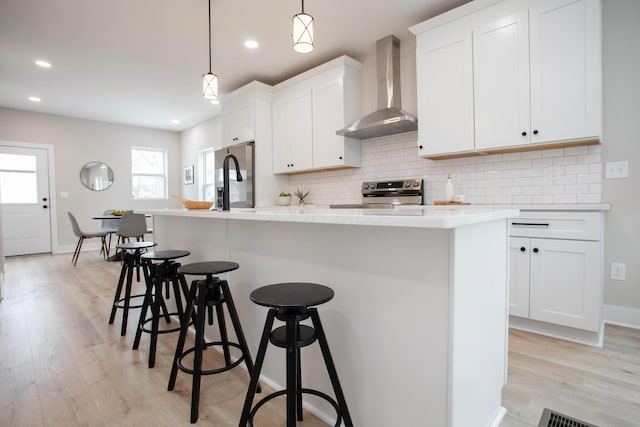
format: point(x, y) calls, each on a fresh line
point(328, 116)
point(566, 70)
point(565, 283)
point(519, 276)
point(445, 93)
point(292, 133)
point(501, 82)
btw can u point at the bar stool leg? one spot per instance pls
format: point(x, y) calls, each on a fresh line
point(149, 276)
point(292, 371)
point(197, 359)
point(237, 327)
point(127, 296)
point(255, 375)
point(223, 329)
point(331, 368)
point(299, 382)
point(184, 324)
point(123, 273)
point(155, 318)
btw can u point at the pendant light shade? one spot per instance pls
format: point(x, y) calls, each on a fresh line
point(210, 80)
point(302, 32)
point(210, 86)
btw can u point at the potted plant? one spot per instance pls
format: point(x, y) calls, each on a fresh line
point(284, 199)
point(301, 195)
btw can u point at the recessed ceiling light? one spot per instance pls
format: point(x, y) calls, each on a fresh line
point(175, 122)
point(251, 44)
point(43, 64)
point(215, 102)
point(34, 99)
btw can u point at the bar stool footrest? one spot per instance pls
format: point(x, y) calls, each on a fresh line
point(120, 303)
point(320, 394)
point(162, 331)
point(210, 371)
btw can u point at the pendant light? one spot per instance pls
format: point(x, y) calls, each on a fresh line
point(302, 32)
point(210, 80)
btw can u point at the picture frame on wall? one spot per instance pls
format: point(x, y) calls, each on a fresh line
point(188, 174)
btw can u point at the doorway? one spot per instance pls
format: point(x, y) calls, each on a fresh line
point(24, 200)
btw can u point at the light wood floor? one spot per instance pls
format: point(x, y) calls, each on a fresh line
point(61, 364)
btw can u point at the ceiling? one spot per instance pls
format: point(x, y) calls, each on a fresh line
point(139, 62)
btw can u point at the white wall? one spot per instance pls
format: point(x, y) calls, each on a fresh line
point(621, 38)
point(77, 142)
point(205, 135)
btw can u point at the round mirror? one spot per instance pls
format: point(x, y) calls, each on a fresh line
point(96, 176)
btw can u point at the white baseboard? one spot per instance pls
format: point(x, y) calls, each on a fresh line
point(622, 316)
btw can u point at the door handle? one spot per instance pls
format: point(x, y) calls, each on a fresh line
point(44, 199)
point(44, 206)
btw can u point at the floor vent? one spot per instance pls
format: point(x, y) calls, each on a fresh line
point(555, 419)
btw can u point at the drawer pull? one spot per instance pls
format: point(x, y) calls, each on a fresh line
point(530, 224)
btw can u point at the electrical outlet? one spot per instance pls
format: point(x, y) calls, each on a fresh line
point(617, 169)
point(618, 271)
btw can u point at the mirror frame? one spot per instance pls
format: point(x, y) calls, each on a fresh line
point(96, 181)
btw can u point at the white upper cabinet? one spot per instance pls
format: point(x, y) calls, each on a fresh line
point(501, 82)
point(566, 70)
point(445, 93)
point(292, 130)
point(535, 70)
point(238, 118)
point(308, 110)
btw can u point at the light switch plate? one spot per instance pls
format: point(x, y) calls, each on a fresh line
point(618, 271)
point(617, 169)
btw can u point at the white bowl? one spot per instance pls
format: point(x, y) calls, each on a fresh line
point(283, 201)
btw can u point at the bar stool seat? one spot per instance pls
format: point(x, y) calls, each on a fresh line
point(292, 303)
point(203, 296)
point(156, 274)
point(131, 252)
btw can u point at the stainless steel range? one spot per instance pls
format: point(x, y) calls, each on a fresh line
point(387, 194)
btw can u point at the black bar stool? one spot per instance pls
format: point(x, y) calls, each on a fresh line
point(291, 303)
point(130, 252)
point(203, 296)
point(157, 274)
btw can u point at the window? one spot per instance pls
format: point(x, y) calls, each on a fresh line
point(208, 191)
point(18, 179)
point(149, 173)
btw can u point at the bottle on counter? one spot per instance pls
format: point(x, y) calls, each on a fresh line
point(448, 189)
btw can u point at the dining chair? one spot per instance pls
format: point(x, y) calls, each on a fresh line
point(132, 225)
point(85, 235)
point(110, 226)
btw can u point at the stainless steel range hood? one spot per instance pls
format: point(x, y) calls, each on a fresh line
point(389, 119)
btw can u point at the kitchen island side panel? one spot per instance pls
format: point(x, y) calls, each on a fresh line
point(387, 325)
point(478, 324)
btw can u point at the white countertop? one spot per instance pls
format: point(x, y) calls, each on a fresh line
point(443, 217)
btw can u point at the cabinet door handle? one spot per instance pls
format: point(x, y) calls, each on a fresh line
point(420, 147)
point(522, 249)
point(530, 224)
point(536, 250)
point(524, 133)
point(340, 157)
point(535, 132)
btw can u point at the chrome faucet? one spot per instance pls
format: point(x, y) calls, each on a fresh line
point(225, 178)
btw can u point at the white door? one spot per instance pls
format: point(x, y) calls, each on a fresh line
point(24, 195)
point(519, 276)
point(445, 93)
point(501, 82)
point(566, 69)
point(565, 283)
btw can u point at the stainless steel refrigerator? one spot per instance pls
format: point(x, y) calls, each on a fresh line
point(241, 194)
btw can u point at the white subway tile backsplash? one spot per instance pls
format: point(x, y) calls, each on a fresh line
point(569, 175)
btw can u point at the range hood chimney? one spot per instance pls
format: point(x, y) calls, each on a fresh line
point(389, 119)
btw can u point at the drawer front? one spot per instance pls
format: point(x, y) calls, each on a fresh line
point(557, 225)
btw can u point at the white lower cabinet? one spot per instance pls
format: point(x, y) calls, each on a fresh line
point(556, 273)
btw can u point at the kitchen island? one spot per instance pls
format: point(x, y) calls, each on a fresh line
point(418, 325)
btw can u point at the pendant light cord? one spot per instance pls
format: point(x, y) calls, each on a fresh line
point(302, 6)
point(210, 36)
